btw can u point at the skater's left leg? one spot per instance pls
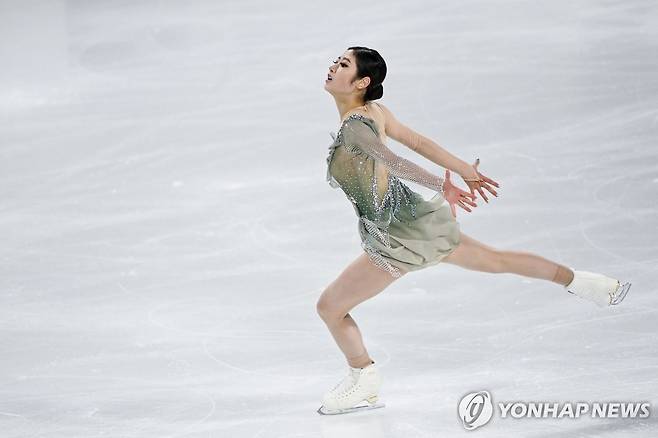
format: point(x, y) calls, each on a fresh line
point(359, 281)
point(474, 255)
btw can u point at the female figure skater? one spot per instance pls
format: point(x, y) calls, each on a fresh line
point(401, 231)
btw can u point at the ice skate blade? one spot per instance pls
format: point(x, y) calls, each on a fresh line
point(621, 294)
point(322, 410)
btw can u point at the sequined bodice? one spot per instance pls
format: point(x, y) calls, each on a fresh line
point(375, 193)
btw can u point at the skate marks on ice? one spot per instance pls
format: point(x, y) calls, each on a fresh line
point(612, 212)
point(609, 373)
point(232, 331)
point(213, 349)
point(103, 398)
point(553, 326)
point(225, 333)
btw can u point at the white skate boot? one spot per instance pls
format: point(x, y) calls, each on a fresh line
point(601, 290)
point(358, 391)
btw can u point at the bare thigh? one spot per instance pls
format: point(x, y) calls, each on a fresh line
point(360, 280)
point(475, 255)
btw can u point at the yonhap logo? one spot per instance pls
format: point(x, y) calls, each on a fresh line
point(475, 409)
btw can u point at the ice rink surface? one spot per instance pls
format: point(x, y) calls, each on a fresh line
point(166, 227)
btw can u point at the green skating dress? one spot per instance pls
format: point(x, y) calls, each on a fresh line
point(399, 229)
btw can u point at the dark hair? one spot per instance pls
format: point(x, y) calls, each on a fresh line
point(370, 63)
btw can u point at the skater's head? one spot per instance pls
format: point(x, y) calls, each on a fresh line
point(357, 73)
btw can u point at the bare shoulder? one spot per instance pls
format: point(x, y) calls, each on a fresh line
point(379, 116)
point(389, 121)
point(380, 108)
point(398, 131)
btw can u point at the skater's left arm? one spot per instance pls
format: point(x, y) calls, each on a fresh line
point(422, 145)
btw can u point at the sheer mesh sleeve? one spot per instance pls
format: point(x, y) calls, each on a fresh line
point(358, 134)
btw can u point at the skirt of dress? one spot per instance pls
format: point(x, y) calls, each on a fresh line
point(415, 243)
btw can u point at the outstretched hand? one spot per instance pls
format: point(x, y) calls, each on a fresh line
point(476, 180)
point(455, 195)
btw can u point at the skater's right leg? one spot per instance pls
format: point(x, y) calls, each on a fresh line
point(359, 281)
point(359, 390)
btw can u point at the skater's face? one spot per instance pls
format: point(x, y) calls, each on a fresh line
point(343, 77)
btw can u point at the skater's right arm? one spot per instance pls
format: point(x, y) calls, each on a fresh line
point(422, 145)
point(357, 134)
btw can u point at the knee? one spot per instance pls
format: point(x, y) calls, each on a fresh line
point(327, 310)
point(321, 308)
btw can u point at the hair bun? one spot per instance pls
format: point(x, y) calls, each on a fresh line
point(376, 92)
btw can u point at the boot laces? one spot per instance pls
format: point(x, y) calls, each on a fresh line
point(344, 384)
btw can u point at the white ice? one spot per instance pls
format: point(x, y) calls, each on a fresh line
point(166, 228)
